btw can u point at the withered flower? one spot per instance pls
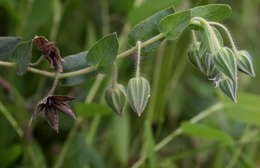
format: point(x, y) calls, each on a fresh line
point(50, 105)
point(50, 51)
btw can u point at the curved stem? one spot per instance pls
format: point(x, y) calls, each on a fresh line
point(138, 44)
point(228, 34)
point(85, 70)
point(179, 131)
point(38, 61)
point(213, 41)
point(55, 83)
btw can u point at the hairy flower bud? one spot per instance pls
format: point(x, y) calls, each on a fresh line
point(229, 88)
point(138, 93)
point(116, 98)
point(226, 63)
point(195, 58)
point(245, 63)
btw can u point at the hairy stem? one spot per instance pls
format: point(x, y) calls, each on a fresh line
point(228, 34)
point(179, 131)
point(38, 61)
point(84, 70)
point(114, 75)
point(55, 83)
point(138, 44)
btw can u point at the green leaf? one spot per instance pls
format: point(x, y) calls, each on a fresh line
point(7, 47)
point(173, 25)
point(149, 144)
point(212, 12)
point(247, 110)
point(148, 29)
point(22, 56)
point(91, 110)
point(148, 8)
point(120, 136)
point(103, 53)
point(10, 155)
point(205, 132)
point(76, 62)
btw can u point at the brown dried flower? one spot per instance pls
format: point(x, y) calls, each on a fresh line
point(50, 51)
point(50, 105)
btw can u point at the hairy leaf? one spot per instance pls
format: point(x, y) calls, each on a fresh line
point(7, 47)
point(173, 25)
point(22, 56)
point(148, 29)
point(103, 53)
point(212, 12)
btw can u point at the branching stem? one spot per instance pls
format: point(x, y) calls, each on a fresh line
point(138, 44)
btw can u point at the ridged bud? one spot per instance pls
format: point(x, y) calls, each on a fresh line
point(229, 88)
point(226, 63)
point(195, 58)
point(138, 94)
point(116, 98)
point(245, 63)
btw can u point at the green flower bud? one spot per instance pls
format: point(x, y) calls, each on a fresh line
point(245, 63)
point(208, 64)
point(116, 98)
point(229, 88)
point(195, 59)
point(138, 93)
point(226, 63)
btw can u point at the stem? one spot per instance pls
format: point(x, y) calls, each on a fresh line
point(114, 75)
point(213, 41)
point(144, 44)
point(84, 70)
point(38, 61)
point(55, 83)
point(194, 39)
point(178, 131)
point(138, 44)
point(228, 34)
point(11, 120)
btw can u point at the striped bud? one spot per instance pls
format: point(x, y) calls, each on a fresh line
point(229, 88)
point(226, 63)
point(245, 63)
point(208, 64)
point(195, 58)
point(138, 93)
point(116, 98)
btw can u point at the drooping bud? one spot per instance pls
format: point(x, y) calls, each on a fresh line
point(138, 93)
point(116, 98)
point(195, 58)
point(245, 63)
point(229, 88)
point(225, 62)
point(208, 64)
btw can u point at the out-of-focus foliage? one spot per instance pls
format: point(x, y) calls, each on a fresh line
point(227, 138)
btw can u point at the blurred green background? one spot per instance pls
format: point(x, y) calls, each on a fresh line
point(101, 138)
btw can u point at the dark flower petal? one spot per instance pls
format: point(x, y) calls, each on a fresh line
point(65, 108)
point(37, 111)
point(51, 116)
point(63, 98)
